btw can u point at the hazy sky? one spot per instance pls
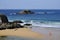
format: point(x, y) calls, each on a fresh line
point(29, 4)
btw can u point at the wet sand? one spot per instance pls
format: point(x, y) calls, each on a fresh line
point(50, 33)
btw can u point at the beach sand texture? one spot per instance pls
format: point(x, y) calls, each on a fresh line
point(22, 32)
point(50, 33)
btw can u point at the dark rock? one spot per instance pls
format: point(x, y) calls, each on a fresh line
point(2, 28)
point(14, 25)
point(26, 12)
point(10, 27)
point(3, 18)
point(17, 22)
point(4, 24)
point(28, 24)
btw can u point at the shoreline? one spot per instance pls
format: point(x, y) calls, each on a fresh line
point(36, 33)
point(23, 32)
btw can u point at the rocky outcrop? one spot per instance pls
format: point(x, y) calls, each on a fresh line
point(5, 24)
point(3, 18)
point(26, 12)
point(17, 21)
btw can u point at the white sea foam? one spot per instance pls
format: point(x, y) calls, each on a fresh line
point(41, 23)
point(45, 24)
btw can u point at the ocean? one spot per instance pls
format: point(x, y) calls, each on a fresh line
point(43, 18)
point(40, 18)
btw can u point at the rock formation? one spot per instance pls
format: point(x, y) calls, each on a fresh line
point(26, 12)
point(3, 19)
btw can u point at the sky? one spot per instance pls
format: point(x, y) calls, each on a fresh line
point(29, 4)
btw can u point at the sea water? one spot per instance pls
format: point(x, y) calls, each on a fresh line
point(40, 18)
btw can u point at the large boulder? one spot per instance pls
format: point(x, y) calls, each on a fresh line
point(3, 18)
point(26, 12)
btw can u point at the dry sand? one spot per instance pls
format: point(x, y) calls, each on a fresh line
point(22, 32)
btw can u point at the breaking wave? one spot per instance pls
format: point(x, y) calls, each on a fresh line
point(44, 23)
point(38, 23)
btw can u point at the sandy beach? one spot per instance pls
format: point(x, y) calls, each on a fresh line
point(21, 32)
point(42, 33)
